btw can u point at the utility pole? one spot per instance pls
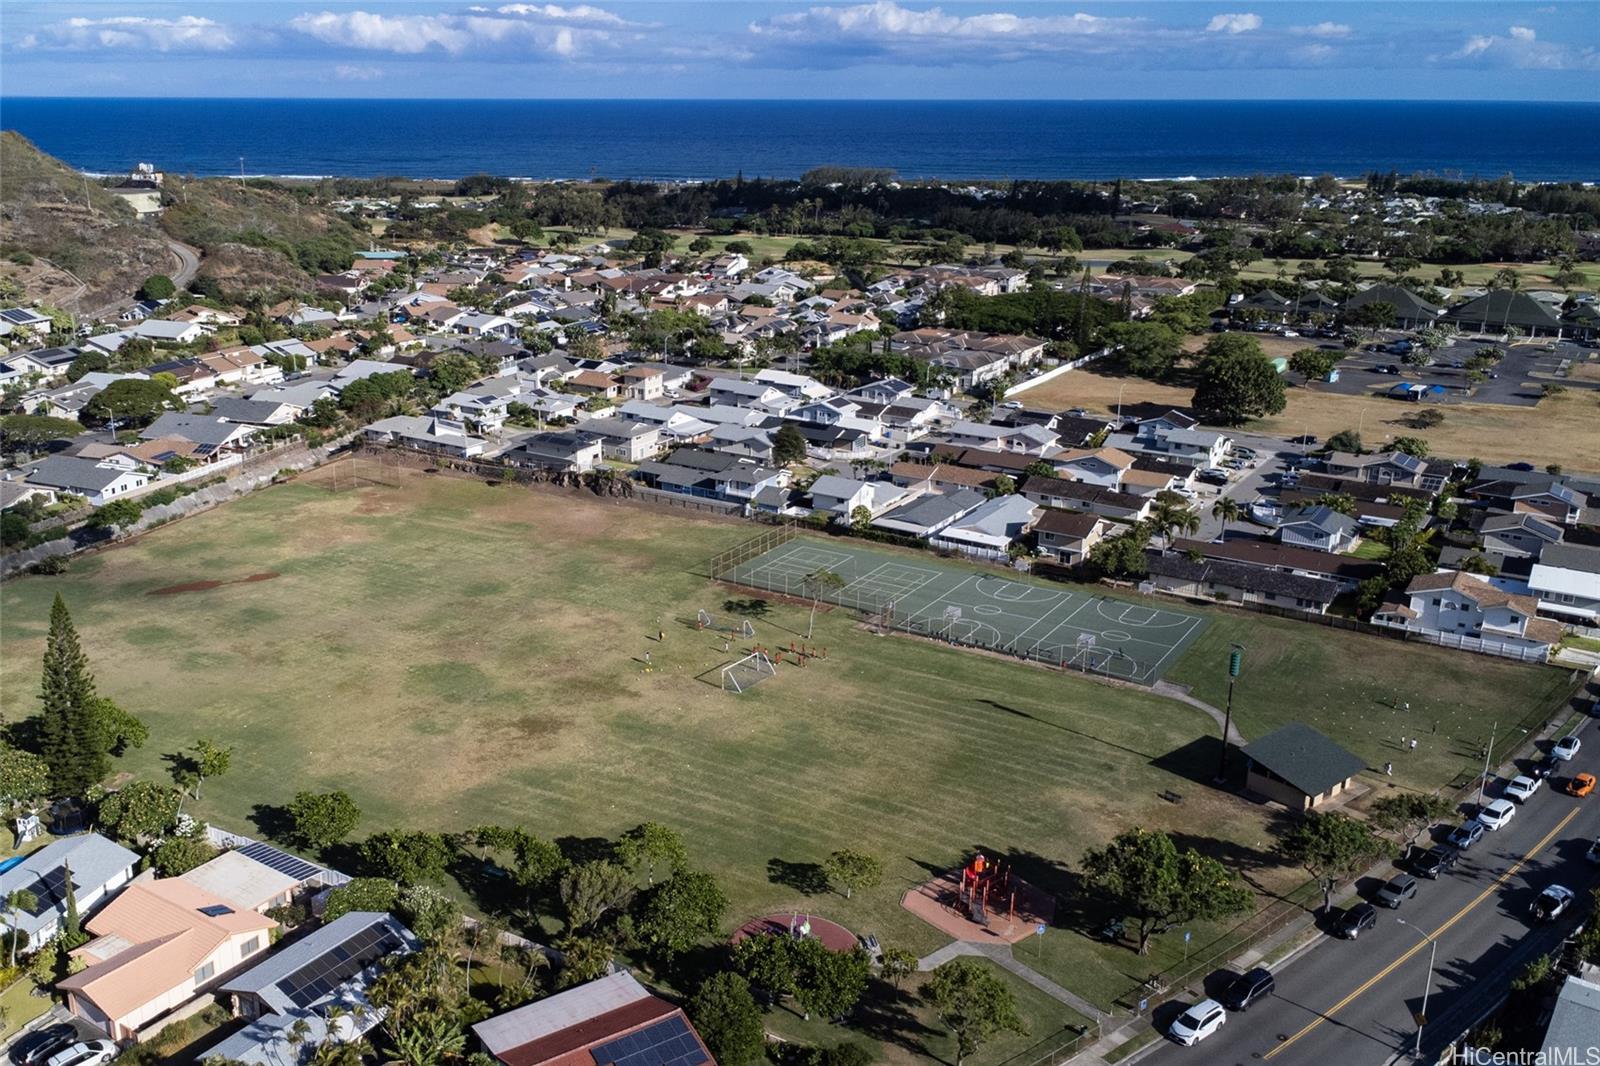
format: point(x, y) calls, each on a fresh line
point(1433, 954)
point(1488, 750)
point(1235, 662)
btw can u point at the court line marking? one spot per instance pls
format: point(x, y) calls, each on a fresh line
point(1494, 886)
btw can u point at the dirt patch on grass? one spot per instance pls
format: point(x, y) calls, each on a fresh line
point(210, 583)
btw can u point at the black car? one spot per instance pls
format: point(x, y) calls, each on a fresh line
point(1248, 988)
point(36, 1048)
point(1435, 862)
point(1357, 920)
point(1545, 767)
point(1397, 891)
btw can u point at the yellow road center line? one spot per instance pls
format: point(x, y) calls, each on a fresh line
point(1462, 913)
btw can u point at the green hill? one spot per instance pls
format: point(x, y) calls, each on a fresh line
point(51, 211)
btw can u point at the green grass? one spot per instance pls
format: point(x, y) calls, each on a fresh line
point(1354, 688)
point(453, 654)
point(1138, 1043)
point(19, 1006)
point(1580, 643)
point(1368, 548)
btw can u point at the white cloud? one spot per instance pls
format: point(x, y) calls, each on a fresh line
point(514, 28)
point(885, 28)
point(1243, 23)
point(1521, 49)
point(188, 33)
point(1322, 29)
point(347, 72)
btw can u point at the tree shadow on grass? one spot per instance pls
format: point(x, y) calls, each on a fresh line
point(272, 821)
point(587, 849)
point(888, 1015)
point(806, 878)
point(753, 608)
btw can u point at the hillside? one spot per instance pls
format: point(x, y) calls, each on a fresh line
point(48, 210)
point(214, 212)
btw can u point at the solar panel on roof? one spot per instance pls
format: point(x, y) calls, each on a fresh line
point(338, 964)
point(216, 910)
point(666, 1043)
point(281, 861)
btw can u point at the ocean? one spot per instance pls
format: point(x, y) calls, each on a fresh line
point(696, 139)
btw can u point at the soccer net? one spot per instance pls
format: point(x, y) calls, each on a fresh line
point(747, 672)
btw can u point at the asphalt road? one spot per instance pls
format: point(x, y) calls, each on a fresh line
point(1351, 1002)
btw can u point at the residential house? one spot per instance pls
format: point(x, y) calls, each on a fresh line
point(1076, 496)
point(1574, 1019)
point(987, 531)
point(1299, 767)
point(1175, 443)
point(1566, 581)
point(941, 477)
point(751, 442)
point(1106, 467)
point(759, 395)
point(643, 382)
point(426, 433)
point(1318, 527)
point(161, 331)
point(1024, 440)
point(840, 496)
point(925, 515)
point(1543, 495)
point(620, 439)
point(1345, 571)
point(157, 945)
point(711, 475)
point(253, 412)
point(24, 321)
point(566, 450)
point(212, 436)
point(312, 992)
point(800, 386)
point(594, 383)
point(611, 1020)
point(98, 482)
point(1518, 535)
point(1223, 581)
point(1067, 536)
point(243, 882)
point(1382, 468)
point(1467, 611)
point(97, 868)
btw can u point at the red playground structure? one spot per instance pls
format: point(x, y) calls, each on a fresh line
point(987, 887)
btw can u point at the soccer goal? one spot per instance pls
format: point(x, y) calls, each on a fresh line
point(704, 620)
point(748, 672)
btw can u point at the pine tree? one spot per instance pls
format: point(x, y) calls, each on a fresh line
point(72, 931)
point(69, 729)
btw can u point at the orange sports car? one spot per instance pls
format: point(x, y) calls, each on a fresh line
point(1580, 785)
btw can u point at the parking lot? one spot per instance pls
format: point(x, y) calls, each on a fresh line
point(1517, 380)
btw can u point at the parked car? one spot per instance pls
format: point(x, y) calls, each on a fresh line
point(1465, 835)
point(1580, 785)
point(37, 1047)
point(88, 1053)
point(1198, 1022)
point(1545, 767)
point(1593, 854)
point(1552, 903)
point(1496, 814)
point(1567, 747)
point(1245, 453)
point(1435, 862)
point(1521, 788)
point(1397, 891)
point(1307, 439)
point(1357, 920)
point(1012, 405)
point(1248, 988)
point(1213, 475)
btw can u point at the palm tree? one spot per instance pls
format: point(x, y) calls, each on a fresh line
point(1226, 508)
point(20, 900)
point(1170, 516)
point(1341, 502)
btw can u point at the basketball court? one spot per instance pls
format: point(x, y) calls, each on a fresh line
point(1007, 613)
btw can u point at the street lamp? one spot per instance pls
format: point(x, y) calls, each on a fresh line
point(1422, 1015)
point(1235, 662)
point(1119, 404)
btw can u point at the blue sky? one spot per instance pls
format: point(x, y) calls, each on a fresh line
point(993, 49)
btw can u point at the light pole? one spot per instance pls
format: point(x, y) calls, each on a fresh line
point(1235, 662)
point(1119, 404)
point(1422, 1015)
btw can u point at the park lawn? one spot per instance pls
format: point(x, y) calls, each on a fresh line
point(901, 1027)
point(1534, 275)
point(453, 654)
point(1355, 687)
point(1560, 428)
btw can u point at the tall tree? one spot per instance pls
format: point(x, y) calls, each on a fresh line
point(652, 847)
point(1235, 381)
point(973, 1003)
point(680, 912)
point(70, 733)
point(819, 583)
point(1144, 875)
point(1226, 508)
point(729, 1020)
point(591, 890)
point(851, 869)
point(19, 900)
point(1332, 848)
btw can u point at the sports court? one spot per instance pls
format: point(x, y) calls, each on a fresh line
point(996, 611)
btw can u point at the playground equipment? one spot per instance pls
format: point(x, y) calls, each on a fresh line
point(987, 886)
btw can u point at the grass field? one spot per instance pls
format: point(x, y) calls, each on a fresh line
point(1534, 275)
point(1561, 427)
point(453, 654)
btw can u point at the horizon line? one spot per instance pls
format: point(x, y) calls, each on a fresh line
point(824, 99)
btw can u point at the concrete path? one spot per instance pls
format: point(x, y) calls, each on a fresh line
point(1181, 694)
point(1000, 955)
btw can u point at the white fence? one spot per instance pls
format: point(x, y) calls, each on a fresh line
point(1056, 371)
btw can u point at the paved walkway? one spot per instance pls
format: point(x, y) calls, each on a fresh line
point(1181, 694)
point(1001, 956)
